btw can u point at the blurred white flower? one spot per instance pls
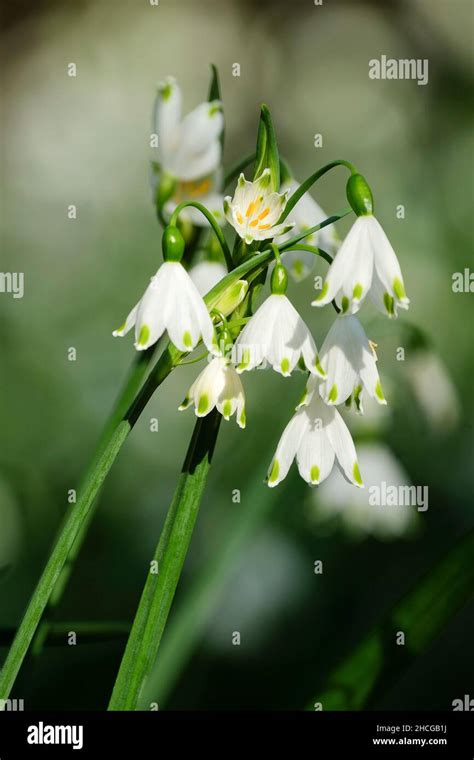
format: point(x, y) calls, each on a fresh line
point(365, 262)
point(218, 385)
point(335, 500)
point(206, 274)
point(433, 389)
point(306, 214)
point(255, 209)
point(315, 435)
point(189, 148)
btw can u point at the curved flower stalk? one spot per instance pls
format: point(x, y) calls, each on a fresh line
point(190, 152)
point(171, 302)
point(306, 214)
point(276, 333)
point(255, 209)
point(365, 263)
point(315, 436)
point(217, 386)
point(349, 360)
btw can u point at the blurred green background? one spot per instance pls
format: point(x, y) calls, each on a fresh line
point(84, 141)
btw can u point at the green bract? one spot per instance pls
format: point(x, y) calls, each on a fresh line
point(173, 244)
point(359, 195)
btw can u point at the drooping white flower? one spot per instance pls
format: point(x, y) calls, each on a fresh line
point(363, 512)
point(315, 435)
point(365, 263)
point(189, 147)
point(277, 333)
point(306, 214)
point(349, 360)
point(255, 209)
point(206, 274)
point(171, 302)
point(219, 386)
point(433, 389)
point(190, 153)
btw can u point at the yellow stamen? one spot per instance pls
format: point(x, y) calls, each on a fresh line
point(240, 218)
point(254, 223)
point(264, 226)
point(264, 213)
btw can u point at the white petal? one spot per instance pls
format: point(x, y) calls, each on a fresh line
point(167, 117)
point(342, 265)
point(287, 447)
point(387, 266)
point(128, 324)
point(152, 310)
point(201, 128)
point(343, 445)
point(315, 455)
point(189, 318)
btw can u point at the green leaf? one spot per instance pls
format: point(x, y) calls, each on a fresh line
point(267, 149)
point(422, 614)
point(215, 94)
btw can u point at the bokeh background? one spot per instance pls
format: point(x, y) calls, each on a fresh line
point(85, 141)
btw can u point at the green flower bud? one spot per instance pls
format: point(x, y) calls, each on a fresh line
point(360, 195)
point(173, 244)
point(279, 281)
point(232, 297)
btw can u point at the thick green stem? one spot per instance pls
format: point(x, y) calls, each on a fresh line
point(165, 569)
point(212, 221)
point(305, 186)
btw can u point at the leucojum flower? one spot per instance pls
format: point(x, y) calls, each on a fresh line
point(190, 152)
point(273, 333)
point(171, 302)
point(366, 263)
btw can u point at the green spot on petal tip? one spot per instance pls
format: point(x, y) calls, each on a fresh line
point(356, 474)
point(144, 335)
point(333, 394)
point(227, 409)
point(345, 304)
point(357, 292)
point(203, 405)
point(323, 293)
point(389, 304)
point(285, 366)
point(274, 472)
point(379, 391)
point(399, 289)
point(314, 474)
point(187, 340)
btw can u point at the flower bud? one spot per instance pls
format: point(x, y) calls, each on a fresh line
point(232, 297)
point(173, 244)
point(359, 195)
point(279, 281)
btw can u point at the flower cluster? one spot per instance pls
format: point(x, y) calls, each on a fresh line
point(270, 222)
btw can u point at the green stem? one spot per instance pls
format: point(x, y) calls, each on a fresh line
point(212, 221)
point(165, 571)
point(421, 615)
point(305, 186)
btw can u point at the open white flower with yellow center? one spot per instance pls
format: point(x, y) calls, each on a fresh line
point(276, 333)
point(218, 386)
point(306, 214)
point(365, 263)
point(255, 209)
point(171, 302)
point(190, 152)
point(316, 435)
point(350, 362)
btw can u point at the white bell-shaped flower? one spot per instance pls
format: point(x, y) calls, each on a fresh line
point(171, 302)
point(276, 333)
point(306, 214)
point(218, 386)
point(365, 263)
point(349, 360)
point(316, 435)
point(255, 209)
point(189, 147)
